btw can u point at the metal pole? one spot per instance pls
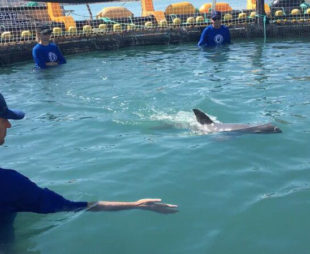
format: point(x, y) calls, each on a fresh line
point(260, 12)
point(89, 10)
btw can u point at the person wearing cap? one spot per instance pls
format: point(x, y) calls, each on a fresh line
point(19, 194)
point(46, 53)
point(215, 34)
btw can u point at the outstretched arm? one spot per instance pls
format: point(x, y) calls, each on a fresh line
point(145, 204)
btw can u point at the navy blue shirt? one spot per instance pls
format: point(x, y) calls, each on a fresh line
point(44, 54)
point(211, 36)
point(19, 194)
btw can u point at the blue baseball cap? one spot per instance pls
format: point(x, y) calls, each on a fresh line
point(7, 113)
point(216, 15)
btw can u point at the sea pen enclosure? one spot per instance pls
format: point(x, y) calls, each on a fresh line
point(121, 24)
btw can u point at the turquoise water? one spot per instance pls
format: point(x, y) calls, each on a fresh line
point(118, 126)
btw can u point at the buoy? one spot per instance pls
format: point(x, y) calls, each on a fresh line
point(308, 11)
point(87, 29)
point(176, 21)
point(227, 17)
point(190, 20)
point(295, 12)
point(279, 13)
point(242, 15)
point(253, 15)
point(221, 7)
point(72, 30)
point(6, 35)
point(114, 13)
point(200, 19)
point(131, 27)
point(57, 31)
point(163, 23)
point(183, 8)
point(103, 27)
point(25, 34)
point(148, 25)
point(117, 27)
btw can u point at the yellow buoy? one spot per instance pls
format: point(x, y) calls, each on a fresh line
point(25, 34)
point(87, 29)
point(176, 21)
point(295, 12)
point(183, 8)
point(163, 23)
point(131, 27)
point(6, 35)
point(148, 25)
point(308, 11)
point(57, 31)
point(72, 30)
point(200, 19)
point(190, 20)
point(252, 15)
point(103, 27)
point(114, 13)
point(242, 15)
point(279, 13)
point(300, 20)
point(221, 7)
point(227, 17)
point(117, 27)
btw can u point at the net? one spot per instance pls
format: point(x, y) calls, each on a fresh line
point(19, 19)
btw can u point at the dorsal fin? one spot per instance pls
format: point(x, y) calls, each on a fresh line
point(201, 117)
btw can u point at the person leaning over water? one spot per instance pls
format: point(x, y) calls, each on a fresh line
point(215, 34)
point(19, 194)
point(46, 53)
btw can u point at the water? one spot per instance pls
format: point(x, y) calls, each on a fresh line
point(118, 125)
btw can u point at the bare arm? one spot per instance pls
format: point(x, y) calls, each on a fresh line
point(145, 204)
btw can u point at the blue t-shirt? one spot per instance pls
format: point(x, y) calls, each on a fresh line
point(19, 194)
point(211, 36)
point(44, 54)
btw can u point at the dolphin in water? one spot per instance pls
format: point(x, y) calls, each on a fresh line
point(211, 126)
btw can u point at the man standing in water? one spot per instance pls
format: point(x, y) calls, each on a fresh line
point(215, 34)
point(19, 194)
point(46, 53)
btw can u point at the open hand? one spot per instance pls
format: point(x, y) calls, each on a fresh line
point(156, 206)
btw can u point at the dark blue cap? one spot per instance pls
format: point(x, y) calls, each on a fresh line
point(7, 113)
point(216, 15)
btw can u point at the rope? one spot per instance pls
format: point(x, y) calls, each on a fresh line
point(265, 21)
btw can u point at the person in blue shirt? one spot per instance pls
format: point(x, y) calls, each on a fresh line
point(215, 34)
point(46, 53)
point(19, 194)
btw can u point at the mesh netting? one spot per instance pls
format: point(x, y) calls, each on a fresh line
point(19, 19)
